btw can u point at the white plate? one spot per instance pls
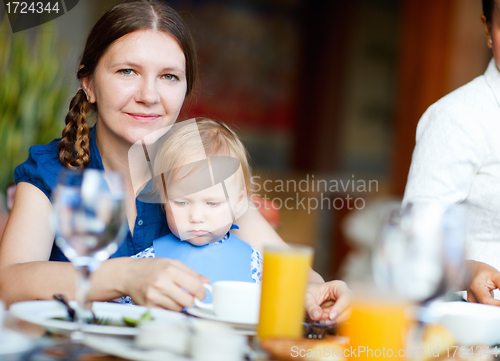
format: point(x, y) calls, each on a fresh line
point(43, 312)
point(124, 347)
point(470, 323)
point(13, 342)
point(209, 315)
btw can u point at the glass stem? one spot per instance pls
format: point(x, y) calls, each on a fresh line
point(82, 289)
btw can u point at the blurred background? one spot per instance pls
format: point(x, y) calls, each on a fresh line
point(327, 92)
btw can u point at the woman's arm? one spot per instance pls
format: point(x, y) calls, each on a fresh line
point(26, 242)
point(26, 273)
point(255, 230)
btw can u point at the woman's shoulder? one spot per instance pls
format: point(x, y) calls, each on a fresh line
point(41, 168)
point(472, 107)
point(474, 95)
point(46, 152)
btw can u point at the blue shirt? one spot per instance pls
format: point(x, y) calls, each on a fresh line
point(42, 168)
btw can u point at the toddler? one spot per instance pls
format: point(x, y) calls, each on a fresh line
point(202, 176)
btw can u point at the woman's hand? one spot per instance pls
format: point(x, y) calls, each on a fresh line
point(162, 282)
point(328, 302)
point(480, 282)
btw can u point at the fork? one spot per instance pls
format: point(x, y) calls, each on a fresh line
point(318, 329)
point(72, 312)
point(312, 331)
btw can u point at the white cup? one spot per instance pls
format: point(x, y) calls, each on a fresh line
point(162, 335)
point(234, 301)
point(213, 341)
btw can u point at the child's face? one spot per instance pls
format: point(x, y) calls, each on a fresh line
point(205, 216)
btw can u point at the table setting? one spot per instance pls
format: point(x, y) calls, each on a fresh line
point(404, 307)
point(89, 223)
point(11, 342)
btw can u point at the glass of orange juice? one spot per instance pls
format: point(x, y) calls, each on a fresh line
point(284, 281)
point(378, 326)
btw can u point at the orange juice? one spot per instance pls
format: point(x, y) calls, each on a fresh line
point(284, 280)
point(377, 328)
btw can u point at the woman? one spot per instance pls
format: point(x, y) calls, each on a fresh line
point(457, 159)
point(137, 68)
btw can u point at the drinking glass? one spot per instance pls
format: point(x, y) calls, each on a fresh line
point(89, 221)
point(284, 282)
point(378, 324)
point(420, 251)
point(420, 256)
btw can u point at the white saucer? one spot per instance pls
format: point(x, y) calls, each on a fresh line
point(13, 342)
point(125, 348)
point(247, 328)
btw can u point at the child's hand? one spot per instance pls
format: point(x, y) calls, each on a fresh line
point(328, 302)
point(162, 282)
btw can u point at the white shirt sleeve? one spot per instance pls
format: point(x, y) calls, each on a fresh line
point(447, 156)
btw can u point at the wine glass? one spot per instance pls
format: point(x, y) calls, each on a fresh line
point(89, 221)
point(420, 250)
point(420, 256)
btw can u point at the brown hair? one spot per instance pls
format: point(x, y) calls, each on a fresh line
point(123, 19)
point(488, 10)
point(183, 147)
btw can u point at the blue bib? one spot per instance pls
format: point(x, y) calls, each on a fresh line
point(226, 261)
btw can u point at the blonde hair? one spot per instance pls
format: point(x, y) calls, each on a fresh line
point(182, 146)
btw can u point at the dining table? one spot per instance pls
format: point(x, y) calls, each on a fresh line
point(473, 325)
point(46, 344)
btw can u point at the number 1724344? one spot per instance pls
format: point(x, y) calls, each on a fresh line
point(25, 7)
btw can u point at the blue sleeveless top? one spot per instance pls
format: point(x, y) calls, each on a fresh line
point(42, 168)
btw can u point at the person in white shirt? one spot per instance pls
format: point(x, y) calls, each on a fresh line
point(457, 160)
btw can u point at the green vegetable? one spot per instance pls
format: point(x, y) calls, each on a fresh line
point(125, 322)
point(131, 322)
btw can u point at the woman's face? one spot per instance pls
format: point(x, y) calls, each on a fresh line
point(493, 33)
point(139, 86)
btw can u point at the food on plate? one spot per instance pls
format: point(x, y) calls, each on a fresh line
point(124, 322)
point(328, 348)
